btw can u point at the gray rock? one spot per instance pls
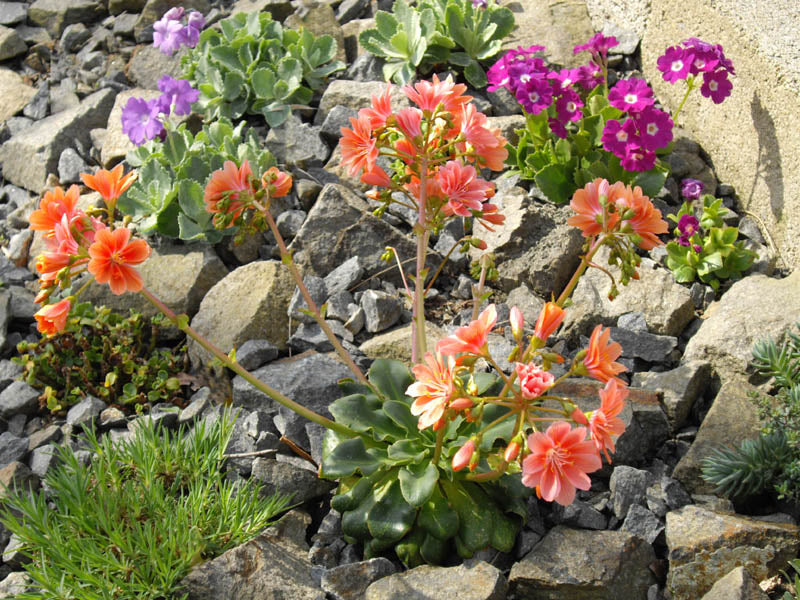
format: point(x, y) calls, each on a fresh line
point(256, 353)
point(628, 487)
point(17, 582)
point(85, 412)
point(15, 94)
point(289, 222)
point(9, 371)
point(12, 448)
point(18, 398)
point(273, 565)
point(736, 585)
point(628, 40)
point(55, 15)
point(297, 144)
point(345, 276)
point(478, 581)
point(12, 13)
point(51, 433)
point(17, 250)
point(749, 229)
point(16, 476)
point(11, 44)
point(647, 346)
point(578, 514)
point(74, 37)
point(576, 563)
point(199, 402)
point(351, 9)
point(665, 495)
point(16, 425)
point(70, 166)
point(350, 582)
point(528, 303)
point(28, 157)
point(633, 321)
point(148, 64)
point(355, 95)
point(124, 24)
point(381, 310)
point(680, 388)
point(339, 306)
point(280, 9)
point(43, 459)
point(12, 555)
point(318, 292)
point(357, 320)
point(36, 109)
point(643, 523)
point(112, 417)
point(309, 336)
point(705, 545)
point(366, 68)
point(283, 478)
point(338, 117)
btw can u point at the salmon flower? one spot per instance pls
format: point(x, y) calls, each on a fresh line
point(464, 455)
point(53, 207)
point(228, 183)
point(605, 422)
point(376, 176)
point(359, 148)
point(380, 110)
point(409, 120)
point(489, 144)
point(464, 189)
point(586, 203)
point(472, 339)
point(428, 95)
point(112, 255)
point(432, 389)
point(109, 184)
point(52, 318)
point(549, 319)
point(600, 356)
point(277, 183)
point(647, 221)
point(533, 380)
point(49, 264)
point(559, 461)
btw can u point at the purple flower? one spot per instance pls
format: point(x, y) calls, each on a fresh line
point(167, 35)
point(191, 33)
point(632, 95)
point(589, 76)
point(535, 95)
point(599, 44)
point(697, 248)
point(655, 128)
point(688, 227)
point(716, 86)
point(638, 159)
point(675, 63)
point(479, 3)
point(568, 107)
point(140, 120)
point(196, 20)
point(178, 92)
point(617, 137)
point(691, 188)
point(557, 127)
point(515, 67)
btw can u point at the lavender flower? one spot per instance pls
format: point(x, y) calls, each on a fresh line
point(140, 120)
point(167, 35)
point(178, 92)
point(691, 188)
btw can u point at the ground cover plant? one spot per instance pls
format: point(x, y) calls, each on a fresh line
point(138, 516)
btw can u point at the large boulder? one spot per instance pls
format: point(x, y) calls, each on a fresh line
point(14, 94)
point(479, 581)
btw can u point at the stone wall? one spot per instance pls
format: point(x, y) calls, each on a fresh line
point(753, 137)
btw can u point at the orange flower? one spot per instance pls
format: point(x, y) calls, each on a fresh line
point(359, 148)
point(464, 455)
point(428, 95)
point(111, 254)
point(600, 356)
point(494, 157)
point(376, 176)
point(381, 109)
point(489, 144)
point(473, 338)
point(586, 202)
point(110, 184)
point(604, 422)
point(432, 389)
point(49, 264)
point(559, 462)
point(647, 221)
point(228, 182)
point(53, 206)
point(52, 318)
point(549, 320)
point(278, 183)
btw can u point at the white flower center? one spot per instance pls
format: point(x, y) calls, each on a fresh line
point(713, 85)
point(631, 98)
point(622, 136)
point(652, 129)
point(571, 107)
point(534, 97)
point(677, 65)
point(525, 78)
point(699, 63)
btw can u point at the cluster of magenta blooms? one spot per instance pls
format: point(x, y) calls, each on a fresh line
point(645, 128)
point(143, 120)
point(688, 225)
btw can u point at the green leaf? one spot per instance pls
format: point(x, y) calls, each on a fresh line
point(263, 81)
point(651, 181)
point(354, 522)
point(461, 59)
point(407, 450)
point(391, 517)
point(476, 75)
point(386, 23)
point(554, 183)
point(434, 550)
point(392, 379)
point(347, 458)
point(227, 57)
point(234, 82)
point(476, 519)
point(361, 413)
point(400, 413)
point(437, 517)
point(352, 496)
point(417, 482)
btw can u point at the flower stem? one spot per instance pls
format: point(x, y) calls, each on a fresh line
point(689, 88)
point(587, 258)
point(287, 259)
point(437, 451)
point(418, 346)
point(239, 370)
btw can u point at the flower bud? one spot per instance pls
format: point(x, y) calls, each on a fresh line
point(512, 451)
point(463, 456)
point(461, 404)
point(579, 417)
point(517, 322)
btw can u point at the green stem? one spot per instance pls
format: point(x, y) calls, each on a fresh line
point(587, 258)
point(246, 375)
point(437, 451)
point(418, 346)
point(287, 259)
point(689, 88)
point(478, 292)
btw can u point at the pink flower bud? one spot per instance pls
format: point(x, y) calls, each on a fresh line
point(512, 451)
point(579, 417)
point(533, 380)
point(463, 456)
point(461, 404)
point(517, 322)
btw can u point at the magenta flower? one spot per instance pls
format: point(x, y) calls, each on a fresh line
point(655, 128)
point(480, 3)
point(140, 120)
point(535, 95)
point(557, 127)
point(675, 63)
point(716, 86)
point(568, 107)
point(632, 95)
point(618, 136)
point(178, 92)
point(167, 35)
point(598, 45)
point(638, 159)
point(688, 226)
point(589, 76)
point(691, 188)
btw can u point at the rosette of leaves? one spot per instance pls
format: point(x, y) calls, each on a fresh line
point(167, 196)
point(106, 355)
point(393, 495)
point(561, 166)
point(253, 65)
point(720, 255)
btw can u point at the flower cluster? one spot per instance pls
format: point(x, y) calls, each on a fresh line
point(439, 147)
point(143, 120)
point(537, 88)
point(169, 34)
point(694, 57)
point(77, 241)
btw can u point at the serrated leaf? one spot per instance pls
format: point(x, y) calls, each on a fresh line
point(263, 82)
point(437, 517)
point(227, 57)
point(392, 378)
point(417, 482)
point(391, 517)
point(406, 450)
point(386, 24)
point(234, 82)
point(347, 458)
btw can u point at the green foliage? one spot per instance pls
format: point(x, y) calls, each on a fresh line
point(392, 493)
point(413, 40)
point(795, 564)
point(561, 166)
point(720, 256)
point(134, 521)
point(252, 65)
point(106, 355)
point(168, 195)
point(771, 462)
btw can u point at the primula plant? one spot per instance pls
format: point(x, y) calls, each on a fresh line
point(439, 458)
point(253, 65)
point(705, 248)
